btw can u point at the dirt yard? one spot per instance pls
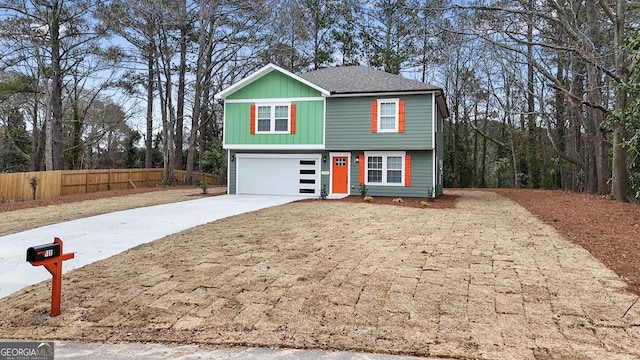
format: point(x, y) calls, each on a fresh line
point(482, 280)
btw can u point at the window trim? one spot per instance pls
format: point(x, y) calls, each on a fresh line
point(384, 155)
point(272, 117)
point(396, 102)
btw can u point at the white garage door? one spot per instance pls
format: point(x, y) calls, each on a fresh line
point(278, 174)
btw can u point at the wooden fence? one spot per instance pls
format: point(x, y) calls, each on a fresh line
point(50, 184)
point(210, 179)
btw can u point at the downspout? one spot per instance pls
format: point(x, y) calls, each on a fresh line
point(433, 143)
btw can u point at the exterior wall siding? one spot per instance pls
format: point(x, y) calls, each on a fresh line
point(421, 177)
point(421, 174)
point(349, 124)
point(274, 85)
point(309, 127)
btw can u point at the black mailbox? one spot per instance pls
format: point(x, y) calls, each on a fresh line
point(43, 252)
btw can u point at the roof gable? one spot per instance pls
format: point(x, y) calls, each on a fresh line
point(262, 72)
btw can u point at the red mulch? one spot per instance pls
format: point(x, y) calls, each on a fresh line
point(443, 202)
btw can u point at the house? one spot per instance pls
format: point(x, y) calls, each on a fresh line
point(334, 128)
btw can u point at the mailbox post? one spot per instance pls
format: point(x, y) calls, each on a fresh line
point(51, 257)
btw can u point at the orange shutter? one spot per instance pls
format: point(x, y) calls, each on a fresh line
point(361, 169)
point(293, 118)
point(374, 117)
point(401, 116)
point(252, 122)
point(407, 170)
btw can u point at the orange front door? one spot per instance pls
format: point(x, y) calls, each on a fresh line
point(340, 175)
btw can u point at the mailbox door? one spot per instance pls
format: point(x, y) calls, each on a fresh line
point(43, 252)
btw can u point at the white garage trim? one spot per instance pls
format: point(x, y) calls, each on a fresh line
point(278, 174)
point(276, 147)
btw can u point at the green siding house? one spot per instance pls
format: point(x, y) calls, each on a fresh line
point(337, 128)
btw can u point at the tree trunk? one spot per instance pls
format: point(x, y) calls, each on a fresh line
point(75, 149)
point(599, 146)
point(148, 142)
point(195, 117)
point(54, 158)
point(36, 138)
point(181, 83)
point(168, 117)
point(562, 179)
point(188, 176)
point(619, 174)
point(483, 172)
point(595, 116)
point(474, 171)
point(574, 145)
point(514, 158)
point(533, 160)
point(456, 143)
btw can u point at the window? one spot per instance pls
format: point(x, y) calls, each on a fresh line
point(264, 118)
point(388, 115)
point(272, 118)
point(374, 169)
point(281, 118)
point(394, 169)
point(385, 168)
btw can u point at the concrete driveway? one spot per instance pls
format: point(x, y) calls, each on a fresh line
point(99, 237)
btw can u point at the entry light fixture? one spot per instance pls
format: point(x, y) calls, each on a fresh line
point(324, 158)
point(232, 158)
point(357, 159)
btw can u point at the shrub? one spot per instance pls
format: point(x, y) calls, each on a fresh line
point(368, 199)
point(204, 186)
point(398, 200)
point(363, 190)
point(324, 192)
point(34, 186)
point(431, 193)
point(424, 203)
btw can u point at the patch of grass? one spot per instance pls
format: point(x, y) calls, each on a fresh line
point(398, 200)
point(368, 198)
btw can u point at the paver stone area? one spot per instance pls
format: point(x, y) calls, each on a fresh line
point(484, 280)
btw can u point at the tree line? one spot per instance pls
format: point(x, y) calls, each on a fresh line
point(541, 94)
point(552, 93)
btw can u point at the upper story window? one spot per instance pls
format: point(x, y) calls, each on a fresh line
point(387, 116)
point(272, 118)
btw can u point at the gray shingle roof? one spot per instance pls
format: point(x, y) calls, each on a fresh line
point(359, 79)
